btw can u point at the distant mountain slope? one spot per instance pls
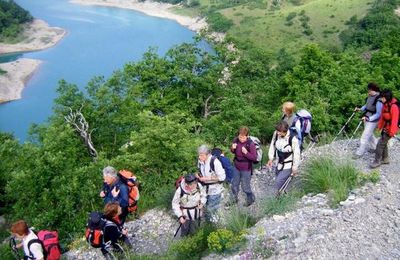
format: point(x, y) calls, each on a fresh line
point(12, 16)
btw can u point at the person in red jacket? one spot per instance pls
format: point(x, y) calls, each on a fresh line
point(389, 124)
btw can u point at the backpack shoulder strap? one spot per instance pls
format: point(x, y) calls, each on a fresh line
point(212, 163)
point(33, 241)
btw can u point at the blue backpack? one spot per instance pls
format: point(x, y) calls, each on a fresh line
point(226, 164)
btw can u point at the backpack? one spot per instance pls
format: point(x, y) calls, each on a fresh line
point(226, 164)
point(178, 185)
point(398, 107)
point(282, 156)
point(129, 180)
point(257, 144)
point(94, 229)
point(305, 118)
point(50, 245)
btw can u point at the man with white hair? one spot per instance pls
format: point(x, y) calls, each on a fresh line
point(115, 191)
point(212, 176)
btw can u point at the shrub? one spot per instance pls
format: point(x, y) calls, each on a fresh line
point(373, 177)
point(219, 23)
point(191, 247)
point(291, 16)
point(325, 175)
point(221, 240)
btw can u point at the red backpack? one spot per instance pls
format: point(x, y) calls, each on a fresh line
point(49, 242)
point(129, 179)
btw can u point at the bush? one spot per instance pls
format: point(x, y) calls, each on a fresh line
point(291, 16)
point(323, 175)
point(219, 23)
point(191, 247)
point(373, 177)
point(221, 240)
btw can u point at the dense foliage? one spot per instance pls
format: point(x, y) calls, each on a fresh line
point(12, 16)
point(151, 115)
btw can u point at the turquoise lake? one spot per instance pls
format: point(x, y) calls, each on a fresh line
point(99, 41)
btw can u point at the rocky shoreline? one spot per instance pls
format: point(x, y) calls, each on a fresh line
point(37, 35)
point(162, 10)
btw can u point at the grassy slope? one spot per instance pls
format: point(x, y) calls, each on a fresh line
point(266, 28)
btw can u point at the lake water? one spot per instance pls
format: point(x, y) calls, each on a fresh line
point(100, 40)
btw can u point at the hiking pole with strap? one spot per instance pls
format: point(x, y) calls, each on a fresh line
point(344, 126)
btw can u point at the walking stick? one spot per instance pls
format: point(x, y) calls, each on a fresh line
point(344, 126)
point(284, 186)
point(176, 233)
point(355, 131)
point(13, 245)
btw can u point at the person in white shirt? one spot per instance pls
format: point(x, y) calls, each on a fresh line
point(33, 250)
point(211, 175)
point(285, 150)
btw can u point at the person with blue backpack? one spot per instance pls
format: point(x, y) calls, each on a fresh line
point(211, 175)
point(299, 122)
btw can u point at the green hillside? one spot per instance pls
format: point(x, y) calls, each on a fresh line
point(286, 24)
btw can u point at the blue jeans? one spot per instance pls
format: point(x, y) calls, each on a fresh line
point(212, 205)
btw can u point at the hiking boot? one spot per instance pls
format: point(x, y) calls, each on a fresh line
point(385, 161)
point(375, 164)
point(248, 203)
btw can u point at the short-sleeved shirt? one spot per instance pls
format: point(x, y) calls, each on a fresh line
point(35, 248)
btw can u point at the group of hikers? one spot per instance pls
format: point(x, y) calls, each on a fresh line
point(199, 195)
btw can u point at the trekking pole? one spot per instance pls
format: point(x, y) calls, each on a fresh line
point(355, 131)
point(344, 126)
point(284, 186)
point(13, 245)
point(176, 233)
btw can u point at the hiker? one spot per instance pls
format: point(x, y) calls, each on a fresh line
point(113, 232)
point(371, 115)
point(212, 175)
point(289, 112)
point(285, 149)
point(299, 122)
point(389, 124)
point(188, 204)
point(245, 154)
point(31, 250)
point(226, 163)
point(115, 191)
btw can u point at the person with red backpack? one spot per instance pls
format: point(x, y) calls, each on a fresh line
point(41, 246)
point(389, 124)
point(113, 232)
point(114, 190)
point(188, 203)
point(22, 232)
point(245, 153)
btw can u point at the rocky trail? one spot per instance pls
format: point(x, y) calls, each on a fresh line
point(365, 226)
